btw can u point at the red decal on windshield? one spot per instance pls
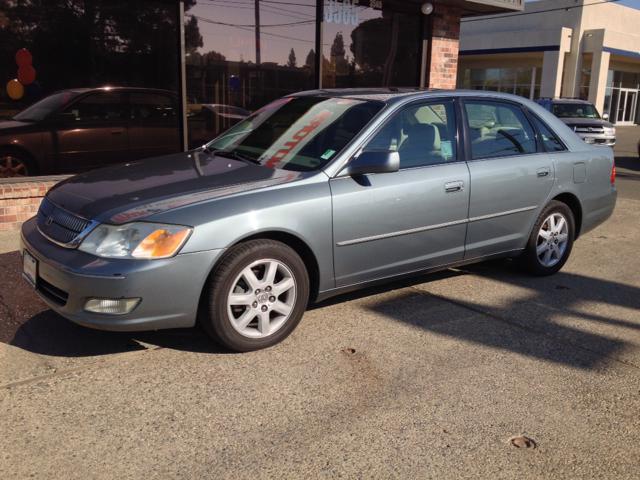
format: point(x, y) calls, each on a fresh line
point(65, 99)
point(298, 137)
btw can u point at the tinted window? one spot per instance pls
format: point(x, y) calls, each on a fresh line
point(152, 106)
point(422, 135)
point(498, 130)
point(99, 107)
point(551, 141)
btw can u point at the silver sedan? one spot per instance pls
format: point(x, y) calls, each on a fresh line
point(316, 194)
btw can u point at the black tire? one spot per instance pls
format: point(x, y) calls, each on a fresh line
point(546, 254)
point(16, 163)
point(260, 303)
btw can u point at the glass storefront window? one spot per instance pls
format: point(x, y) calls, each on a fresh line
point(231, 62)
point(83, 44)
point(370, 46)
point(506, 80)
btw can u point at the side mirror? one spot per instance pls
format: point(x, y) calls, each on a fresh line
point(372, 161)
point(64, 118)
point(605, 116)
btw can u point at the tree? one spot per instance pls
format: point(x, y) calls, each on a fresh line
point(192, 38)
point(292, 59)
point(311, 58)
point(338, 58)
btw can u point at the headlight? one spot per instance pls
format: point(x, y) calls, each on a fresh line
point(609, 130)
point(138, 241)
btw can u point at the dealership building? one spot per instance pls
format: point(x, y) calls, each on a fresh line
point(558, 48)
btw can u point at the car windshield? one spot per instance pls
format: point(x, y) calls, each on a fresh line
point(297, 133)
point(575, 110)
point(45, 107)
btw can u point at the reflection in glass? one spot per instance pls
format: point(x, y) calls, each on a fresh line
point(242, 60)
point(381, 50)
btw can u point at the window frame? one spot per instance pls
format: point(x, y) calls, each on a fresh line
point(540, 148)
point(540, 141)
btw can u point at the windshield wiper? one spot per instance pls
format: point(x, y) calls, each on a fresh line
point(237, 156)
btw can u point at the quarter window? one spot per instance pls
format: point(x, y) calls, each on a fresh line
point(551, 141)
point(422, 135)
point(498, 130)
point(152, 107)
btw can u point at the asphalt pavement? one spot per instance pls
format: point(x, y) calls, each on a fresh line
point(474, 372)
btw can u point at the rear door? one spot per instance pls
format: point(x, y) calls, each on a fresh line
point(392, 223)
point(511, 176)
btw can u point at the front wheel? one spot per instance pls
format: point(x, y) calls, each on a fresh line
point(256, 297)
point(550, 242)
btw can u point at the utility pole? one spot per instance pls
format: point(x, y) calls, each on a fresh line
point(257, 33)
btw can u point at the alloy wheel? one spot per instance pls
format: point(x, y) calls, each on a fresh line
point(261, 298)
point(552, 239)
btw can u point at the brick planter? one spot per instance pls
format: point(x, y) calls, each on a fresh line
point(20, 199)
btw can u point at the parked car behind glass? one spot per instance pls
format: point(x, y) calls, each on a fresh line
point(81, 129)
point(317, 194)
point(583, 117)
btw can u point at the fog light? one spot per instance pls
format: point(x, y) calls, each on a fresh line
point(111, 306)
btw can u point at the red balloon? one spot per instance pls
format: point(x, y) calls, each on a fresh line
point(23, 58)
point(26, 75)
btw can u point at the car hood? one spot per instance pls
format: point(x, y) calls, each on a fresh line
point(5, 125)
point(586, 122)
point(127, 192)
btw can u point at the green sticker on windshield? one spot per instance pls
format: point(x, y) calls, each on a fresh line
point(327, 155)
point(445, 148)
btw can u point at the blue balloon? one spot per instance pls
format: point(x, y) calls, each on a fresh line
point(234, 82)
point(33, 91)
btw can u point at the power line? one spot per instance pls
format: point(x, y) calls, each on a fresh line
point(507, 15)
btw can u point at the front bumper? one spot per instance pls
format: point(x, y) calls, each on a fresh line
point(599, 139)
point(169, 288)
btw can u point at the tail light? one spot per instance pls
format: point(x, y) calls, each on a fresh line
point(613, 173)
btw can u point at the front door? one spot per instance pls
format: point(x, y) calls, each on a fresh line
point(510, 178)
point(393, 223)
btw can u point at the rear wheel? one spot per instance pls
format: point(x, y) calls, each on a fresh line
point(15, 164)
point(551, 241)
point(256, 297)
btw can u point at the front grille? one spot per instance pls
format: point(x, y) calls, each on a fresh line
point(62, 227)
point(595, 130)
point(51, 293)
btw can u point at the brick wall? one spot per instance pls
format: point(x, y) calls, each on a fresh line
point(19, 200)
point(444, 47)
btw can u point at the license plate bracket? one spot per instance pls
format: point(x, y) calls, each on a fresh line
point(590, 140)
point(29, 268)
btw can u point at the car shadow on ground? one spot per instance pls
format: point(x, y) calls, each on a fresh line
point(532, 326)
point(556, 322)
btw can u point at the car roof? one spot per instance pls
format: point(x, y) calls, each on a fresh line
point(567, 100)
point(117, 89)
point(393, 95)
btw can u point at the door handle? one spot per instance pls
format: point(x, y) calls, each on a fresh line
point(453, 187)
point(543, 172)
point(117, 130)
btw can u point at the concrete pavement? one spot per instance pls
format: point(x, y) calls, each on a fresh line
point(429, 378)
